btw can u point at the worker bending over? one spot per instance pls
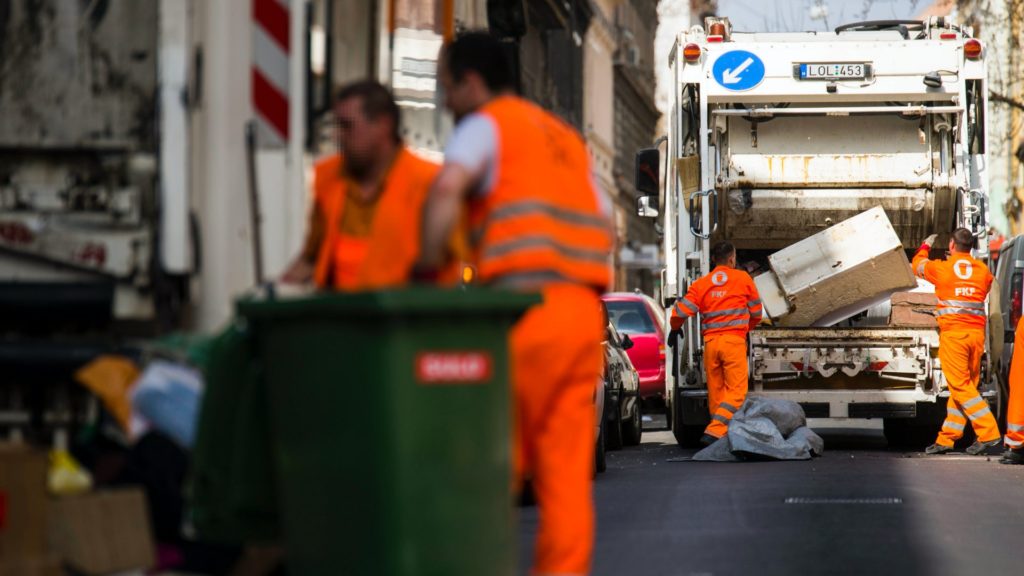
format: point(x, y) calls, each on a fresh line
point(538, 224)
point(364, 226)
point(730, 307)
point(961, 286)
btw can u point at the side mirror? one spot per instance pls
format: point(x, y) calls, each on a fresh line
point(626, 342)
point(647, 178)
point(644, 209)
point(1008, 337)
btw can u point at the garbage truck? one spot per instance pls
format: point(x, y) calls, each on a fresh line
point(774, 139)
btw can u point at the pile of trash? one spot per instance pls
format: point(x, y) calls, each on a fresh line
point(765, 429)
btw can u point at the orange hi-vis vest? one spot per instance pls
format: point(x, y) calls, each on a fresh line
point(726, 299)
point(961, 284)
point(384, 258)
point(542, 222)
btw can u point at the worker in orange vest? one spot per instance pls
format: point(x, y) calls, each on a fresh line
point(364, 226)
point(1015, 410)
point(961, 285)
point(730, 307)
point(538, 223)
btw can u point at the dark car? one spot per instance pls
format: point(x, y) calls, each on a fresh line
point(1008, 296)
point(623, 423)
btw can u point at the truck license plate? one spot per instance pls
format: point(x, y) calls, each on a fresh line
point(834, 71)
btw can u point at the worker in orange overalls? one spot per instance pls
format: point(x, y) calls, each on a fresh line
point(961, 286)
point(538, 223)
point(1015, 411)
point(364, 226)
point(730, 307)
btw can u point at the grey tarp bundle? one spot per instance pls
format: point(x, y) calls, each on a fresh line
point(765, 428)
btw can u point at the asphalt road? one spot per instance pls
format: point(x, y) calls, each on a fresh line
point(859, 509)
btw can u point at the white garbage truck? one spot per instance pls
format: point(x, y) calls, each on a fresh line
point(774, 138)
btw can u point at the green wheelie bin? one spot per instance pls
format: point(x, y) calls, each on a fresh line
point(390, 429)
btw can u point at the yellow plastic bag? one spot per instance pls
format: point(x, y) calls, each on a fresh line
point(66, 475)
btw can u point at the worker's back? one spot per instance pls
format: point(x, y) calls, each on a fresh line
point(543, 221)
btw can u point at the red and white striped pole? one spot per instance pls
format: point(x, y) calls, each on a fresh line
point(271, 47)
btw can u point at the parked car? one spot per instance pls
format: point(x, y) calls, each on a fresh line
point(1008, 295)
point(641, 319)
point(623, 422)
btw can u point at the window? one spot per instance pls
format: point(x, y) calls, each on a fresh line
point(630, 317)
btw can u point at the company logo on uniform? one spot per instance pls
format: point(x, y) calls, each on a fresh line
point(453, 367)
point(963, 269)
point(719, 278)
point(738, 70)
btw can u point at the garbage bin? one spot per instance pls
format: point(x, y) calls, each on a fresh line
point(232, 495)
point(390, 425)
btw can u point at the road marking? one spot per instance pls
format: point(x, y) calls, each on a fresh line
point(792, 500)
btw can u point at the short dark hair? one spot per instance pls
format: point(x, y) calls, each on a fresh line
point(377, 101)
point(721, 252)
point(483, 53)
point(964, 240)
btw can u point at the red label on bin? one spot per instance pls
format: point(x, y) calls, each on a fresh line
point(453, 367)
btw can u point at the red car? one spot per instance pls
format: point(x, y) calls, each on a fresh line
point(643, 320)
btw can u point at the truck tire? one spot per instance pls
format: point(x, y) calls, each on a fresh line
point(687, 436)
point(910, 433)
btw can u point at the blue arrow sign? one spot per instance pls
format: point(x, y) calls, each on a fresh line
point(738, 70)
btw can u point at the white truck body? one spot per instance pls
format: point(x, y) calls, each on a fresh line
point(765, 153)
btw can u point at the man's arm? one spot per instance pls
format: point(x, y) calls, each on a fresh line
point(467, 157)
point(301, 270)
point(920, 263)
point(685, 307)
point(441, 211)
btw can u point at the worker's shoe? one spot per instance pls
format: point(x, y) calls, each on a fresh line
point(1012, 456)
point(980, 448)
point(938, 449)
point(707, 440)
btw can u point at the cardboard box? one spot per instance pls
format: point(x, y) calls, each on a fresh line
point(925, 299)
point(912, 317)
point(44, 566)
point(23, 504)
point(103, 532)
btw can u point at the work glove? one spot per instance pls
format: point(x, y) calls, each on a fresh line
point(672, 336)
point(930, 241)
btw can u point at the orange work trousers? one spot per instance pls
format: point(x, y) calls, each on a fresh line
point(1015, 411)
point(960, 354)
point(725, 360)
point(557, 362)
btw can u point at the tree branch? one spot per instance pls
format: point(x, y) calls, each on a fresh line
point(1004, 99)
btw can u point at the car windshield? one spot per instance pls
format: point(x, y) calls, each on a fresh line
point(630, 317)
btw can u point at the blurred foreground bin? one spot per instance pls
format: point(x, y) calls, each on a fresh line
point(390, 425)
point(232, 494)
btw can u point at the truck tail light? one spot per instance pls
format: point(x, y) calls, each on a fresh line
point(1016, 299)
point(948, 36)
point(972, 49)
point(661, 351)
point(715, 38)
point(691, 53)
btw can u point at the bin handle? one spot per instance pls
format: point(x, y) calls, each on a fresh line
point(712, 194)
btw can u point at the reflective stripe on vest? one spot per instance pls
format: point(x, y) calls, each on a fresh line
point(947, 311)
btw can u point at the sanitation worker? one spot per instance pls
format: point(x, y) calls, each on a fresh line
point(961, 285)
point(1015, 411)
point(364, 226)
point(537, 223)
point(729, 307)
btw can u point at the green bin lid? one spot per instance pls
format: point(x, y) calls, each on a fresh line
point(411, 301)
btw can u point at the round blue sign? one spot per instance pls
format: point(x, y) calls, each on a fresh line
point(738, 70)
